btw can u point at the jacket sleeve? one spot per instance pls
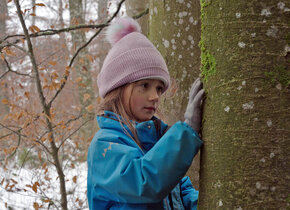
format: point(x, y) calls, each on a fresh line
point(189, 194)
point(121, 173)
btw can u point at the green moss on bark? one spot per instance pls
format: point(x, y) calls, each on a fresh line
point(208, 62)
point(279, 74)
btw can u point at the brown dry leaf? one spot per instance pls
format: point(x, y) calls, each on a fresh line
point(40, 4)
point(79, 79)
point(39, 156)
point(9, 52)
point(77, 144)
point(90, 57)
point(28, 185)
point(27, 95)
point(67, 70)
point(33, 14)
point(45, 115)
point(5, 101)
point(53, 63)
point(72, 166)
point(98, 99)
point(47, 178)
point(2, 181)
point(20, 114)
point(86, 97)
point(74, 179)
point(82, 85)
point(49, 137)
point(54, 75)
point(7, 185)
point(46, 201)
point(90, 108)
point(44, 165)
point(14, 181)
point(36, 205)
point(2, 56)
point(35, 28)
point(34, 188)
point(31, 29)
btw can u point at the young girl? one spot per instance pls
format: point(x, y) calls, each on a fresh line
point(135, 161)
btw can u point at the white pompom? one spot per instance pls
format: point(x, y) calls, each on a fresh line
point(120, 28)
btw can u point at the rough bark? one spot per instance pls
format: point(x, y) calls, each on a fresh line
point(175, 30)
point(245, 66)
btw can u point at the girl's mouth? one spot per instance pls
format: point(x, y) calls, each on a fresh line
point(150, 108)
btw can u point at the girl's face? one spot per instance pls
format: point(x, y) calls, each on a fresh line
point(142, 98)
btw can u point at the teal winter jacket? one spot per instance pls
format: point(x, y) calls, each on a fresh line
point(121, 175)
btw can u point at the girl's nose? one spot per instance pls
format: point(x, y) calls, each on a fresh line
point(153, 96)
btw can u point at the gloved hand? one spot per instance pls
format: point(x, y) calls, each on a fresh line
point(193, 113)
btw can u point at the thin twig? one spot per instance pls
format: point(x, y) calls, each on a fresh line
point(10, 70)
point(13, 131)
point(50, 32)
point(70, 135)
point(31, 55)
point(82, 47)
point(18, 144)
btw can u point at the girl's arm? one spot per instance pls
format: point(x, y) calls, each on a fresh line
point(122, 173)
point(189, 194)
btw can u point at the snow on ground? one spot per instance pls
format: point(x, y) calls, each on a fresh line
point(16, 188)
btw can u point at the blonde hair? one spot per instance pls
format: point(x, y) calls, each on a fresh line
point(113, 102)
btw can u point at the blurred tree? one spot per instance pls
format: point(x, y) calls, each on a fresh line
point(82, 68)
point(245, 68)
point(103, 47)
point(135, 7)
point(43, 118)
point(3, 86)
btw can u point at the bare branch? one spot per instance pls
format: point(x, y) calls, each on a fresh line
point(49, 32)
point(18, 143)
point(31, 54)
point(10, 70)
point(13, 131)
point(70, 135)
point(82, 47)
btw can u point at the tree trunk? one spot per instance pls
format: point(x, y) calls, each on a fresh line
point(175, 30)
point(82, 67)
point(135, 7)
point(33, 11)
point(103, 45)
point(4, 109)
point(245, 66)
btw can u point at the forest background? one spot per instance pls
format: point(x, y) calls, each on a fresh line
point(52, 52)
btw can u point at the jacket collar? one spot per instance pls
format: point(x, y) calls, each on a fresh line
point(149, 132)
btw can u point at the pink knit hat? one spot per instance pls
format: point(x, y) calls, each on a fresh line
point(132, 57)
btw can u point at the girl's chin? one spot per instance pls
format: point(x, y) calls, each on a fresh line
point(144, 118)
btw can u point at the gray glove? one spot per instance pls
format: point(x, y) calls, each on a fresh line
point(193, 113)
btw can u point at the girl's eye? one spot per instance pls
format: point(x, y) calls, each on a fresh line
point(160, 89)
point(144, 85)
